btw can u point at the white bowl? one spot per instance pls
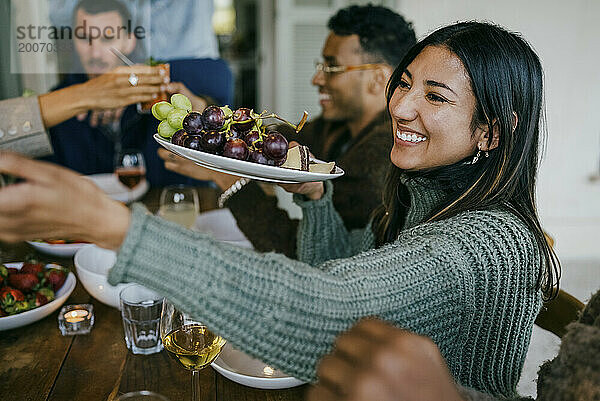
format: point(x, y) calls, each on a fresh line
point(92, 264)
point(33, 315)
point(60, 250)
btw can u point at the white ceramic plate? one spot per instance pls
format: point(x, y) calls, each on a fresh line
point(247, 169)
point(243, 369)
point(25, 318)
point(111, 185)
point(60, 250)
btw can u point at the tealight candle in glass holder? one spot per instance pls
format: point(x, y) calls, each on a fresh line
point(76, 319)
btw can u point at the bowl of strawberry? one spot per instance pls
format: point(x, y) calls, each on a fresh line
point(30, 291)
point(58, 247)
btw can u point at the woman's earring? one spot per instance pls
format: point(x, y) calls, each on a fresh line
point(477, 156)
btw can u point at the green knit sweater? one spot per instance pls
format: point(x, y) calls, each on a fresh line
point(468, 282)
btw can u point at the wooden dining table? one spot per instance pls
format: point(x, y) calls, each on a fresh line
point(38, 363)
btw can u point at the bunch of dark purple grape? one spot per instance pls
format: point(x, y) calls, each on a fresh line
point(239, 134)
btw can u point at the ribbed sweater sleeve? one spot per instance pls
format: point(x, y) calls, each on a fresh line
point(322, 233)
point(284, 311)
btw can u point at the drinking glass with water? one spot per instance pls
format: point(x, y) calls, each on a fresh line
point(140, 310)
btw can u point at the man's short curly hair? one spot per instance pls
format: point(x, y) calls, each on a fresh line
point(384, 35)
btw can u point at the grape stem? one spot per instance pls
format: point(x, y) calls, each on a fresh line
point(297, 127)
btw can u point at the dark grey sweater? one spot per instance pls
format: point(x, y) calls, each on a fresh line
point(468, 282)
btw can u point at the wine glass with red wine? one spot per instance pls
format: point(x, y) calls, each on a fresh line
point(130, 168)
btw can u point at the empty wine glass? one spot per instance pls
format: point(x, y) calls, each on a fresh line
point(179, 204)
point(189, 342)
point(130, 169)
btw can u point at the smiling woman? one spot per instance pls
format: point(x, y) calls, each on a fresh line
point(451, 91)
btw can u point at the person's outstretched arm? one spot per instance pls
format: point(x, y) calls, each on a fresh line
point(23, 121)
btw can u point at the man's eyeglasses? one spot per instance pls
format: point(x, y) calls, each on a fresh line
point(336, 69)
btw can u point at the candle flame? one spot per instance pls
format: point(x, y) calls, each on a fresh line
point(76, 315)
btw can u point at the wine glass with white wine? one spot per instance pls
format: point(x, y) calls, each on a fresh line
point(189, 342)
point(179, 204)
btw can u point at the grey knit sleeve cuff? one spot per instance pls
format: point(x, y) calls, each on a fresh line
point(325, 200)
point(139, 216)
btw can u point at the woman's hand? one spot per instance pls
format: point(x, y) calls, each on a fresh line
point(375, 361)
point(312, 190)
point(54, 202)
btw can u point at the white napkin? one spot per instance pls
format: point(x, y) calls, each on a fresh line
point(222, 225)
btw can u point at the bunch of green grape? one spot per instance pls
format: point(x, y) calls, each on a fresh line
point(171, 114)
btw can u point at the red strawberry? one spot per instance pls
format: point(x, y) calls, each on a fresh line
point(56, 278)
point(8, 296)
point(34, 268)
point(23, 281)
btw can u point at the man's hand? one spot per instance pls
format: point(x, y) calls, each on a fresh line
point(108, 91)
point(103, 117)
point(188, 168)
point(198, 103)
point(375, 361)
point(54, 202)
point(113, 90)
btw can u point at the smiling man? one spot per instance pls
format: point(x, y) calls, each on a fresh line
point(103, 26)
point(364, 45)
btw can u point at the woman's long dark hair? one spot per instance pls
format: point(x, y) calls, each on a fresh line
point(506, 78)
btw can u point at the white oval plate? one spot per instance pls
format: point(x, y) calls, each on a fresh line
point(243, 369)
point(60, 250)
point(110, 184)
point(247, 169)
point(25, 318)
